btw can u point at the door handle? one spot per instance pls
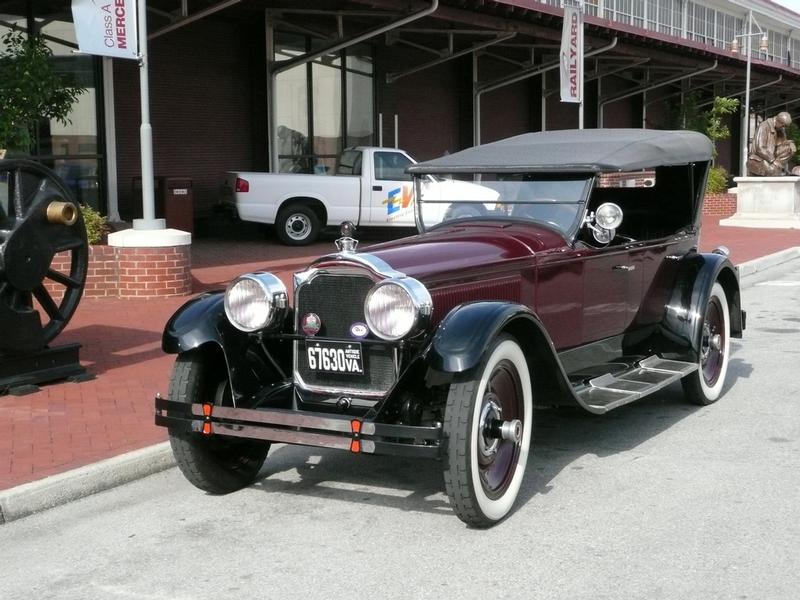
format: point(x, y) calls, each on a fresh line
point(626, 268)
point(377, 188)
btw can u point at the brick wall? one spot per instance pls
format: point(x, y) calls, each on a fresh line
point(130, 272)
point(426, 102)
point(208, 108)
point(719, 205)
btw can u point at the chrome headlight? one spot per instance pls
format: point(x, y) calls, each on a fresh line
point(396, 307)
point(255, 301)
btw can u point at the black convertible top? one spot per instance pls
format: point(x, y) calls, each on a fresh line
point(576, 150)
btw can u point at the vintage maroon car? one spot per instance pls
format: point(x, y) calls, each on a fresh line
point(580, 284)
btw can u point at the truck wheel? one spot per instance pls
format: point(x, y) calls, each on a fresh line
point(704, 386)
point(215, 464)
point(487, 426)
point(297, 225)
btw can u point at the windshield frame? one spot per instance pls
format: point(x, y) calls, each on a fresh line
point(569, 234)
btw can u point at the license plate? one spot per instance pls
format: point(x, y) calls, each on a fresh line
point(335, 357)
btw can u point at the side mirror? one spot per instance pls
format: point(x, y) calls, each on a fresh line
point(604, 222)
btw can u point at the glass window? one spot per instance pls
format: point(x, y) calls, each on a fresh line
point(72, 150)
point(321, 107)
point(359, 59)
point(291, 118)
point(391, 166)
point(291, 108)
point(554, 201)
point(327, 109)
point(360, 116)
point(349, 163)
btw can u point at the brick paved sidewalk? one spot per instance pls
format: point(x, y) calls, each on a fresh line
point(68, 425)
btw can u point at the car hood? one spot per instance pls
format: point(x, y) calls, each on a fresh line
point(456, 249)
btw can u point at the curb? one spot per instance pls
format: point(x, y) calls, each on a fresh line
point(751, 267)
point(36, 496)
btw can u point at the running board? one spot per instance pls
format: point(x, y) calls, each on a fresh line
point(607, 392)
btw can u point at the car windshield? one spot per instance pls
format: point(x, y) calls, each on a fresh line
point(556, 201)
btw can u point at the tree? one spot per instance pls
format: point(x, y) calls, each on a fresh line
point(717, 129)
point(30, 90)
point(715, 126)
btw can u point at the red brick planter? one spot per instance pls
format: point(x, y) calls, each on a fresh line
point(151, 272)
point(719, 205)
point(131, 272)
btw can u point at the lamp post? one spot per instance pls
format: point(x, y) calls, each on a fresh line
point(763, 46)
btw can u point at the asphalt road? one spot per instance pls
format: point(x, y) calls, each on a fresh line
point(659, 499)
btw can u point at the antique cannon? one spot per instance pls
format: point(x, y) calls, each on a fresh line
point(39, 219)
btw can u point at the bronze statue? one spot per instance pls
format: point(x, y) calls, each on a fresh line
point(771, 151)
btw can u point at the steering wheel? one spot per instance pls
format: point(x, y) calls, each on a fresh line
point(463, 210)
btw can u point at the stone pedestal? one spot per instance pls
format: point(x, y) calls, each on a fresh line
point(766, 202)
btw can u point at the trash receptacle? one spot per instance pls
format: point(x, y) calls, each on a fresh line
point(179, 203)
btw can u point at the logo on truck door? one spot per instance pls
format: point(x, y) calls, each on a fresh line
point(397, 200)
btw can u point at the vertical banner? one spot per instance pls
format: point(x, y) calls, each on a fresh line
point(106, 27)
point(572, 55)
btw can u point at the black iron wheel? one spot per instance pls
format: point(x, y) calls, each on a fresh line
point(39, 218)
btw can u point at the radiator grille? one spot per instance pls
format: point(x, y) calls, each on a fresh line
point(338, 300)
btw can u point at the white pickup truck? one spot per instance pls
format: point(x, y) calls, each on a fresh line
point(370, 188)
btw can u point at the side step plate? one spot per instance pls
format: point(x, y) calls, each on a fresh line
point(609, 391)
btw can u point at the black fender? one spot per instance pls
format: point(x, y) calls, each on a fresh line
point(201, 324)
point(199, 321)
point(696, 276)
point(462, 337)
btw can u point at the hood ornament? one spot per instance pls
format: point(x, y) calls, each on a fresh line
point(347, 243)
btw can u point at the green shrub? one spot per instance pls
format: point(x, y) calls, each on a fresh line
point(717, 181)
point(96, 224)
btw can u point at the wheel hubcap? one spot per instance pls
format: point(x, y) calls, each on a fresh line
point(490, 413)
point(499, 433)
point(713, 343)
point(298, 227)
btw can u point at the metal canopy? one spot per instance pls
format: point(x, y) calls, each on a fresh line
point(449, 55)
point(183, 17)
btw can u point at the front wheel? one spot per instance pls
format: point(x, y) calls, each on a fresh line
point(297, 225)
point(487, 424)
point(704, 386)
point(215, 464)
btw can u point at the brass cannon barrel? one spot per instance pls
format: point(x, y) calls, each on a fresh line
point(65, 213)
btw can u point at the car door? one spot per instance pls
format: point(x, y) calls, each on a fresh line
point(391, 190)
point(660, 260)
point(608, 274)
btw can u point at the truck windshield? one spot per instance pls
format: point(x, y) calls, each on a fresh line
point(556, 201)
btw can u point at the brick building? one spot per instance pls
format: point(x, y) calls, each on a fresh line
point(285, 85)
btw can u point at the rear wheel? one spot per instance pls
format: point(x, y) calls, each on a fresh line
point(297, 225)
point(215, 464)
point(487, 424)
point(704, 386)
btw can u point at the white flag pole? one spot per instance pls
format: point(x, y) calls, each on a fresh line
point(148, 220)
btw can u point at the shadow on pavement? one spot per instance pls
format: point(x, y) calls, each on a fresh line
point(561, 436)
